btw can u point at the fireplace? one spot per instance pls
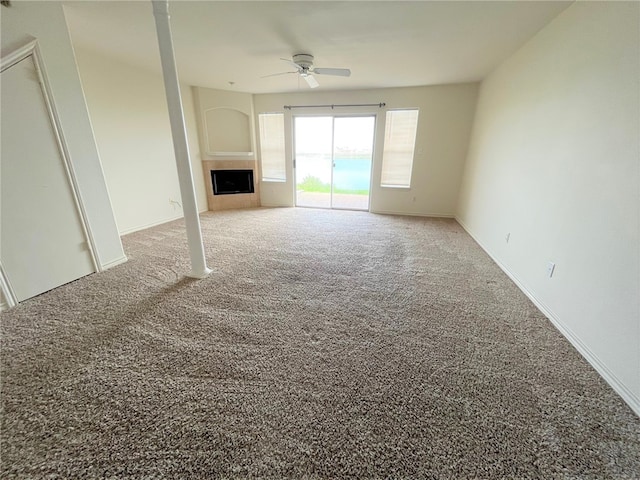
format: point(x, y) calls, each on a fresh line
point(229, 182)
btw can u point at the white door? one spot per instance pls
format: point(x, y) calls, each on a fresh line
point(42, 240)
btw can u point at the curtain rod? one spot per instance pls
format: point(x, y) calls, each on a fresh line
point(379, 105)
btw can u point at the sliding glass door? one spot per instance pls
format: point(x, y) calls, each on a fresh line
point(333, 157)
point(352, 158)
point(313, 137)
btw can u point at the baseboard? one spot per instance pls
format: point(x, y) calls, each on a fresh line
point(3, 306)
point(149, 225)
point(113, 263)
point(620, 388)
point(275, 205)
point(426, 215)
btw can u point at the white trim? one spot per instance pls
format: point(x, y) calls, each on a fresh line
point(230, 154)
point(18, 55)
point(620, 388)
point(276, 205)
point(31, 49)
point(10, 299)
point(71, 174)
point(154, 224)
point(414, 214)
point(114, 263)
point(149, 225)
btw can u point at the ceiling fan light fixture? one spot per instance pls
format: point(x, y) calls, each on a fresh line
point(311, 81)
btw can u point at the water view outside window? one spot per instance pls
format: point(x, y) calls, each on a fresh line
point(333, 161)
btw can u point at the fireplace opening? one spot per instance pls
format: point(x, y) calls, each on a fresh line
point(228, 182)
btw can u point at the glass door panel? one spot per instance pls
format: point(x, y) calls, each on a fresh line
point(333, 158)
point(352, 157)
point(313, 151)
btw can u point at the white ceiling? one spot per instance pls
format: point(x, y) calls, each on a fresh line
point(385, 44)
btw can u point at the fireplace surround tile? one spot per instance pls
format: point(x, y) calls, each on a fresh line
point(239, 200)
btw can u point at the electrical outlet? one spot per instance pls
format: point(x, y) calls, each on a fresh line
point(507, 237)
point(550, 268)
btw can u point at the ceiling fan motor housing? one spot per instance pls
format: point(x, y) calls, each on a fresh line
point(304, 60)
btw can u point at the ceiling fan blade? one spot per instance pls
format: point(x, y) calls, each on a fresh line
point(292, 63)
point(276, 74)
point(312, 82)
point(341, 72)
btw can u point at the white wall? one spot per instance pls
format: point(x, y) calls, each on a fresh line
point(444, 125)
point(45, 21)
point(128, 109)
point(554, 161)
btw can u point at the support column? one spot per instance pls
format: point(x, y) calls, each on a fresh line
point(199, 267)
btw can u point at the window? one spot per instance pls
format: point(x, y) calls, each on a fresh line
point(399, 143)
point(272, 147)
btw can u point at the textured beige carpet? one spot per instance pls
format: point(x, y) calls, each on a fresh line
point(326, 344)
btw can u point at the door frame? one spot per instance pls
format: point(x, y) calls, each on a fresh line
point(32, 49)
point(333, 116)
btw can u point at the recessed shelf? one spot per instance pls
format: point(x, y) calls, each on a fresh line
point(230, 154)
point(227, 132)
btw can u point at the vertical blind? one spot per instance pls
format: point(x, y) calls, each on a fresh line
point(399, 144)
point(272, 147)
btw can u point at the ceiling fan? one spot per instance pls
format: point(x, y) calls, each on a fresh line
point(303, 64)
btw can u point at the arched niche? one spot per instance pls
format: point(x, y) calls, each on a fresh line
point(228, 132)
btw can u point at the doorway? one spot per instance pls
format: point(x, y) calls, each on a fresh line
point(43, 239)
point(332, 160)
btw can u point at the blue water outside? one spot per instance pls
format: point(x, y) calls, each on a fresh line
point(352, 174)
point(348, 174)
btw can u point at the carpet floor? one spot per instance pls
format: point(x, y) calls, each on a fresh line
point(326, 344)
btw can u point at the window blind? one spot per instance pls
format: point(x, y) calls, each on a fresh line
point(272, 147)
point(399, 144)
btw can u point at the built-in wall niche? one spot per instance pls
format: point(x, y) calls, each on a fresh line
point(228, 132)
